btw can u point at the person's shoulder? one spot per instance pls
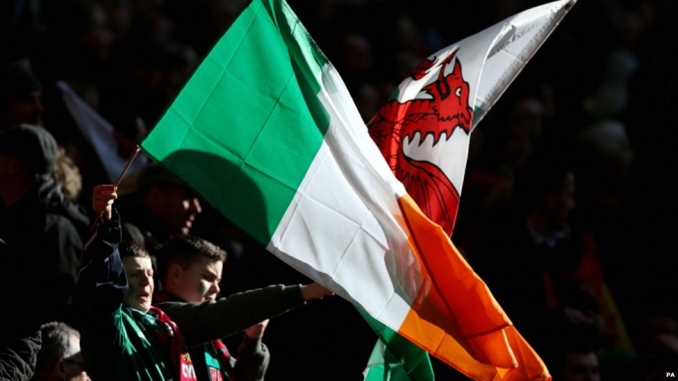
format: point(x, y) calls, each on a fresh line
point(55, 222)
point(57, 204)
point(75, 212)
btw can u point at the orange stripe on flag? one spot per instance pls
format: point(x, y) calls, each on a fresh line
point(455, 317)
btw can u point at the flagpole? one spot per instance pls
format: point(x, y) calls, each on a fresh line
point(117, 182)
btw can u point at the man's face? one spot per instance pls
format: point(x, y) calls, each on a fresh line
point(73, 367)
point(140, 278)
point(177, 207)
point(581, 367)
point(198, 283)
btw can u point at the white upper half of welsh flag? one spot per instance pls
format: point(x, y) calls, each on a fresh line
point(434, 111)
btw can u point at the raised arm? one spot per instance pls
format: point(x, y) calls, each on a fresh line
point(102, 283)
point(102, 286)
point(207, 321)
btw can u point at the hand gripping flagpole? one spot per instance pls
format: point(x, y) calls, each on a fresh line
point(117, 182)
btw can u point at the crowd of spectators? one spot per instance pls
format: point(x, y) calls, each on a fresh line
point(566, 211)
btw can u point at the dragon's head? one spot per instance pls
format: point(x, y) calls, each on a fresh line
point(451, 93)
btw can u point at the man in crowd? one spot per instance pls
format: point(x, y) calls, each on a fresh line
point(161, 206)
point(60, 358)
point(20, 97)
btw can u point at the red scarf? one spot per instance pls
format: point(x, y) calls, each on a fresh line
point(223, 356)
point(172, 339)
point(217, 346)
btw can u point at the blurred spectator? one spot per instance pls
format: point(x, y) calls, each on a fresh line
point(575, 359)
point(656, 339)
point(119, 14)
point(20, 97)
point(42, 231)
point(500, 146)
point(539, 266)
point(42, 228)
point(604, 162)
point(21, 102)
point(19, 345)
point(581, 366)
point(75, 44)
point(161, 206)
point(141, 80)
point(607, 156)
point(60, 358)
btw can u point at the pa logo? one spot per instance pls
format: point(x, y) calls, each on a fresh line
point(670, 374)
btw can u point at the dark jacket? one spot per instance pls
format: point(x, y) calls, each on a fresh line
point(19, 344)
point(118, 342)
point(202, 323)
point(55, 200)
point(43, 233)
point(18, 357)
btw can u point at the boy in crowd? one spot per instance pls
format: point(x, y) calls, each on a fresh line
point(123, 336)
point(191, 269)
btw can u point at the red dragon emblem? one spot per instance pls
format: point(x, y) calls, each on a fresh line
point(445, 109)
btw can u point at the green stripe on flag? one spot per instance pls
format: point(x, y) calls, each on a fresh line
point(238, 114)
point(395, 358)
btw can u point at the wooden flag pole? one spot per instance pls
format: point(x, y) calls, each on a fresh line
point(117, 182)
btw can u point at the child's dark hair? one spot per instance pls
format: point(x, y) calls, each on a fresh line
point(185, 250)
point(129, 249)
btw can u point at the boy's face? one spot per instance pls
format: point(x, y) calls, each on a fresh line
point(200, 282)
point(140, 278)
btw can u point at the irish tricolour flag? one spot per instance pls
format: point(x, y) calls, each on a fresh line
point(266, 132)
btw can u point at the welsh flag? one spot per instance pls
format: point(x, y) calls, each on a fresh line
point(266, 132)
point(425, 128)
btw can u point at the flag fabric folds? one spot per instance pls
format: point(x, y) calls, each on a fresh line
point(266, 131)
point(386, 365)
point(394, 358)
